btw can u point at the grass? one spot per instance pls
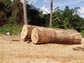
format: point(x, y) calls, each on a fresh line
point(13, 29)
point(82, 33)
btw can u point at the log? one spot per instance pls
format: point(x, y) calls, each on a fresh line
point(61, 36)
point(26, 32)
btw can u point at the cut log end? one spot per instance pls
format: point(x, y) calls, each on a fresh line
point(35, 36)
point(24, 32)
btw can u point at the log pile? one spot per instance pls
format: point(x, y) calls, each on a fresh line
point(26, 32)
point(40, 35)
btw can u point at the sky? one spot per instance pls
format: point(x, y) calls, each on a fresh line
point(44, 5)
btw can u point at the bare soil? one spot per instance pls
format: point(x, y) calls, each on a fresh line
point(14, 50)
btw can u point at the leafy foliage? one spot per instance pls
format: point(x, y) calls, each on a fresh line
point(82, 32)
point(68, 18)
point(35, 16)
point(11, 14)
point(13, 29)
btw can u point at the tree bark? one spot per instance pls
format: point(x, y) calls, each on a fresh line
point(51, 10)
point(25, 12)
point(61, 36)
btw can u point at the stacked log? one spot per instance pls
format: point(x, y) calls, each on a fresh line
point(26, 32)
point(40, 35)
point(62, 36)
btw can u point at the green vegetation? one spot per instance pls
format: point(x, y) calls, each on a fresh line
point(68, 18)
point(82, 33)
point(11, 17)
point(13, 29)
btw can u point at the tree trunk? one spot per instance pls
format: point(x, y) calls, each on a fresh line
point(25, 12)
point(61, 36)
point(51, 10)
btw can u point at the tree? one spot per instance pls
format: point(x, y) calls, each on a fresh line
point(51, 10)
point(3, 16)
point(17, 12)
point(57, 18)
point(25, 12)
point(35, 17)
point(68, 19)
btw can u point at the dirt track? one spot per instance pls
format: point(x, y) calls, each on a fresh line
point(13, 50)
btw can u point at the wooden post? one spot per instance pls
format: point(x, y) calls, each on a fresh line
point(51, 10)
point(25, 12)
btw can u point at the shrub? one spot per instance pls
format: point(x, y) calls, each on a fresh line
point(13, 29)
point(82, 33)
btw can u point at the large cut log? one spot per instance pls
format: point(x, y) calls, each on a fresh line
point(48, 35)
point(26, 32)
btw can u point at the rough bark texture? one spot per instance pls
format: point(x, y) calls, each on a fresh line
point(51, 10)
point(48, 35)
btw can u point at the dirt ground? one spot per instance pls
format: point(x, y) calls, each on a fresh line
point(14, 50)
